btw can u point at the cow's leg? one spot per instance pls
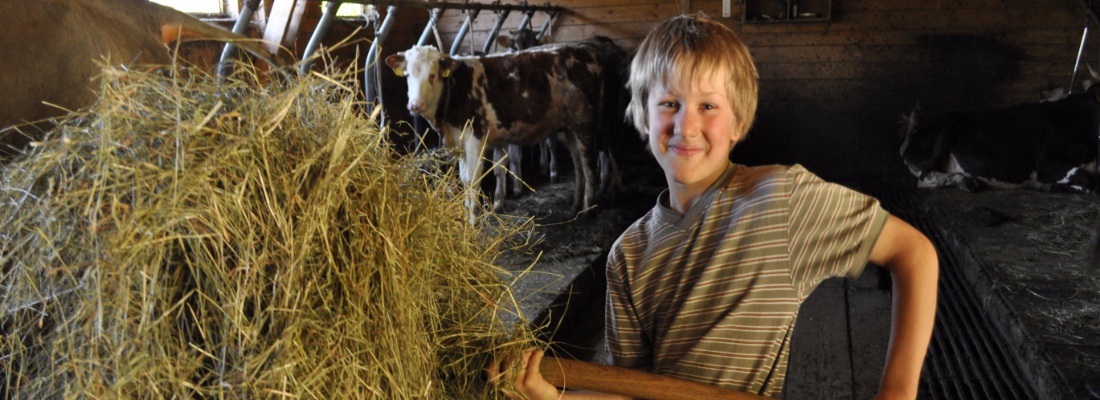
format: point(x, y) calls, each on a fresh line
point(470, 167)
point(1076, 180)
point(500, 171)
point(1067, 170)
point(515, 162)
point(549, 158)
point(611, 181)
point(967, 183)
point(585, 154)
point(578, 171)
point(544, 157)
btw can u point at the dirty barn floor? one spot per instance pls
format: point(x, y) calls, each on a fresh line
point(1018, 307)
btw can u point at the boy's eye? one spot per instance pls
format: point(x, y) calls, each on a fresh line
point(709, 107)
point(668, 104)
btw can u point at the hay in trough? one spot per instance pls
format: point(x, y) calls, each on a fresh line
point(192, 239)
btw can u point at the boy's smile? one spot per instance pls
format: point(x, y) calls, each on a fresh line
point(692, 129)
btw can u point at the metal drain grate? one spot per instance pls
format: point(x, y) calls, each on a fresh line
point(968, 358)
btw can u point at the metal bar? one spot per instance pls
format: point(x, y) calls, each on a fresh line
point(496, 31)
point(240, 28)
point(1090, 14)
point(465, 29)
point(545, 26)
point(1077, 64)
point(458, 6)
point(318, 34)
point(371, 79)
point(527, 15)
point(433, 16)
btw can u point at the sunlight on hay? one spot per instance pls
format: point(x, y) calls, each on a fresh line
point(193, 239)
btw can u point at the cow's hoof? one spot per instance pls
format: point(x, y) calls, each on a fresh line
point(971, 185)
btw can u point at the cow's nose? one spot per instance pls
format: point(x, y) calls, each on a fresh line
point(415, 107)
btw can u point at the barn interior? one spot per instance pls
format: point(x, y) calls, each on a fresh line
point(1019, 292)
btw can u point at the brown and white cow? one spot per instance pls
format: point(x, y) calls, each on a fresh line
point(508, 160)
point(475, 102)
point(54, 49)
point(522, 39)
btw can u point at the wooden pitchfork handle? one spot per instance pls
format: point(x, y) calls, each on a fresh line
point(572, 374)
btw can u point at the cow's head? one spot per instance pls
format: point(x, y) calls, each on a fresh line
point(521, 39)
point(425, 69)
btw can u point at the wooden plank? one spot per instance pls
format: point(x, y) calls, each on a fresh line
point(283, 23)
point(903, 6)
point(817, 54)
point(811, 70)
point(819, 365)
point(971, 19)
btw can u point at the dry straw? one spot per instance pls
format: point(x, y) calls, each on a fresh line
point(192, 239)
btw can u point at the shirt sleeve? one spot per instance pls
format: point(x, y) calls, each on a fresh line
point(833, 229)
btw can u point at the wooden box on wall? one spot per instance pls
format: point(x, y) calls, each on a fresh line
point(765, 11)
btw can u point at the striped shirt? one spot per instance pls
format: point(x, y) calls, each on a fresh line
point(712, 295)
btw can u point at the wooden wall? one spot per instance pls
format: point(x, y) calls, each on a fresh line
point(832, 92)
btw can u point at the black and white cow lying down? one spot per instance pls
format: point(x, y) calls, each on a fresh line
point(1048, 146)
point(477, 102)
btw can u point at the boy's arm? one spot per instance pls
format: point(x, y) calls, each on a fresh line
point(914, 267)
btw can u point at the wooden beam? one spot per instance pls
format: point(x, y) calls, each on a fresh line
point(283, 23)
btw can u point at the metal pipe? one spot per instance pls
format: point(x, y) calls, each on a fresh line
point(370, 70)
point(496, 6)
point(496, 31)
point(433, 16)
point(465, 29)
point(240, 28)
point(527, 15)
point(319, 34)
point(1077, 65)
point(545, 26)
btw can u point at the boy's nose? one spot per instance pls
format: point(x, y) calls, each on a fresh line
point(687, 124)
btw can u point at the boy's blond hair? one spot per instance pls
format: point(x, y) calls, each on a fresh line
point(690, 47)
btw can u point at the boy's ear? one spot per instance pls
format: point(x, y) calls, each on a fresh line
point(738, 132)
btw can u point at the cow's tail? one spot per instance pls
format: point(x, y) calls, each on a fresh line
point(175, 24)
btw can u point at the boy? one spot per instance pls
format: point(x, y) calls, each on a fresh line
point(707, 285)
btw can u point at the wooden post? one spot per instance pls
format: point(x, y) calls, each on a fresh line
point(283, 23)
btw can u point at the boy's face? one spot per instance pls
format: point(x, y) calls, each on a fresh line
point(692, 130)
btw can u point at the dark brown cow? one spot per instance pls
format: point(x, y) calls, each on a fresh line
point(1048, 146)
point(53, 51)
point(518, 98)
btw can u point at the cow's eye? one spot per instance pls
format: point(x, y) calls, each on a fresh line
point(431, 78)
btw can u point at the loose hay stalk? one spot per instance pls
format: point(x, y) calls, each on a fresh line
point(187, 239)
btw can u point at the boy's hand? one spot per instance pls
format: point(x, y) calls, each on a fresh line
point(525, 375)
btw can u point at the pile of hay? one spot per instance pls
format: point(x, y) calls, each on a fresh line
point(190, 239)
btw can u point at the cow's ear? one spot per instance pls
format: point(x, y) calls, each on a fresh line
point(446, 65)
point(397, 63)
point(505, 42)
